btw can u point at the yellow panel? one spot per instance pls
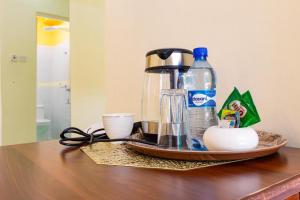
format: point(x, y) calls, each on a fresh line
point(51, 32)
point(52, 22)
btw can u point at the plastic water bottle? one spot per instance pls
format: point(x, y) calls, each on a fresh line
point(200, 83)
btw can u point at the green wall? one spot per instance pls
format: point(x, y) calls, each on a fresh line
point(18, 80)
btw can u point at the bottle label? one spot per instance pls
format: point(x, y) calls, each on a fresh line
point(202, 98)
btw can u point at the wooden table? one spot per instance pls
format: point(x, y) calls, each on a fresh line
point(47, 170)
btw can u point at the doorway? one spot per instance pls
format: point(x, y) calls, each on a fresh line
point(53, 108)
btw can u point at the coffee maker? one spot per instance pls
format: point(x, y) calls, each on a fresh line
point(164, 68)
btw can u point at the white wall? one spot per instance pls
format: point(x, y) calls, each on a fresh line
point(87, 61)
point(18, 80)
point(253, 45)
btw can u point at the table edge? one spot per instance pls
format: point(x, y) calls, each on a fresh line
point(280, 190)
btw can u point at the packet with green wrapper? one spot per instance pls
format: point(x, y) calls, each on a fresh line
point(248, 99)
point(244, 105)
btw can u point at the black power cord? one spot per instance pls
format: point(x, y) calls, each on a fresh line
point(90, 138)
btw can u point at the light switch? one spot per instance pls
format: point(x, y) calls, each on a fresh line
point(22, 59)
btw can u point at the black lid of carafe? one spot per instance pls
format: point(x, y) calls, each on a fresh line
point(168, 58)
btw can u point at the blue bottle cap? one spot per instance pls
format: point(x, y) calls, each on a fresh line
point(200, 52)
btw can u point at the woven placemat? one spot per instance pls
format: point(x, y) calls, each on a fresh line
point(119, 155)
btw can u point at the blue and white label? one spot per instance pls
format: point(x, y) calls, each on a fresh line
point(202, 98)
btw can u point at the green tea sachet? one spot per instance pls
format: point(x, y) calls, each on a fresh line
point(244, 105)
point(248, 99)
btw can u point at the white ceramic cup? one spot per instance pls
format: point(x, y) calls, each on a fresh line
point(118, 125)
point(230, 139)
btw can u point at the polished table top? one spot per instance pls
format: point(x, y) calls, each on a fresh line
point(48, 170)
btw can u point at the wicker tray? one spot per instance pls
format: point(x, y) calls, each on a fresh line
point(268, 144)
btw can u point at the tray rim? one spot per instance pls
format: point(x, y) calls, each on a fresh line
point(193, 155)
point(283, 143)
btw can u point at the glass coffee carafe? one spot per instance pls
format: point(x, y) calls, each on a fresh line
point(164, 68)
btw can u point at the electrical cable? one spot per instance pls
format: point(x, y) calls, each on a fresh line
point(90, 138)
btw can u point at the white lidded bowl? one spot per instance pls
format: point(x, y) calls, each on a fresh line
point(230, 139)
point(118, 125)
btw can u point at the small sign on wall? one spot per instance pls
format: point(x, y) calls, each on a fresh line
point(18, 59)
